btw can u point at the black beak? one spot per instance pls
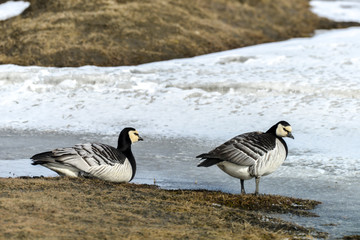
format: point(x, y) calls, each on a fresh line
point(290, 135)
point(140, 139)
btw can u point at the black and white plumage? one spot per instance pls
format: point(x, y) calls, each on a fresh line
point(252, 154)
point(94, 159)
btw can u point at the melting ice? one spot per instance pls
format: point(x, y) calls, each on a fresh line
point(313, 83)
point(11, 9)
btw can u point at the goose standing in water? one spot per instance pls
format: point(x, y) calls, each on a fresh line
point(252, 154)
point(94, 159)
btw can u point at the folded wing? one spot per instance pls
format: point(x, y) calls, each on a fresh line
point(80, 158)
point(243, 150)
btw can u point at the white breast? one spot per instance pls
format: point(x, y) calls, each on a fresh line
point(116, 173)
point(271, 161)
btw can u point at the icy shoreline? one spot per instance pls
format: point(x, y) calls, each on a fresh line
point(170, 163)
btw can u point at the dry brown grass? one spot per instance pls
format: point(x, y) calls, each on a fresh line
point(74, 208)
point(123, 32)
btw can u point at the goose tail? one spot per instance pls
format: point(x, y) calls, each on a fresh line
point(207, 160)
point(42, 158)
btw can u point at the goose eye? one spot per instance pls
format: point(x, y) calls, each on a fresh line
point(285, 130)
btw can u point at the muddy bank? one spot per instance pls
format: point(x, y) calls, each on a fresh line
point(112, 33)
point(66, 208)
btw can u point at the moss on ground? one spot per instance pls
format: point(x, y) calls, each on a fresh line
point(123, 32)
point(73, 208)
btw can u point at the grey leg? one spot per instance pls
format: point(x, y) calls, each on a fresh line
point(242, 186)
point(257, 181)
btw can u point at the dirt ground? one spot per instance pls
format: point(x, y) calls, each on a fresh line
point(111, 33)
point(78, 208)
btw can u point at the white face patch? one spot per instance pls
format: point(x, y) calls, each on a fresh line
point(282, 131)
point(134, 136)
point(288, 128)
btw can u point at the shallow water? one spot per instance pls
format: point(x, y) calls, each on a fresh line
point(170, 163)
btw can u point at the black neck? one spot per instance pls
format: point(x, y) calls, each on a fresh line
point(124, 146)
point(128, 154)
point(272, 130)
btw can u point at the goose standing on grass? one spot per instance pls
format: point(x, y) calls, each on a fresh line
point(94, 159)
point(252, 154)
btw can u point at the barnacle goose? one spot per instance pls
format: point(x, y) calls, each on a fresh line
point(94, 159)
point(252, 154)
